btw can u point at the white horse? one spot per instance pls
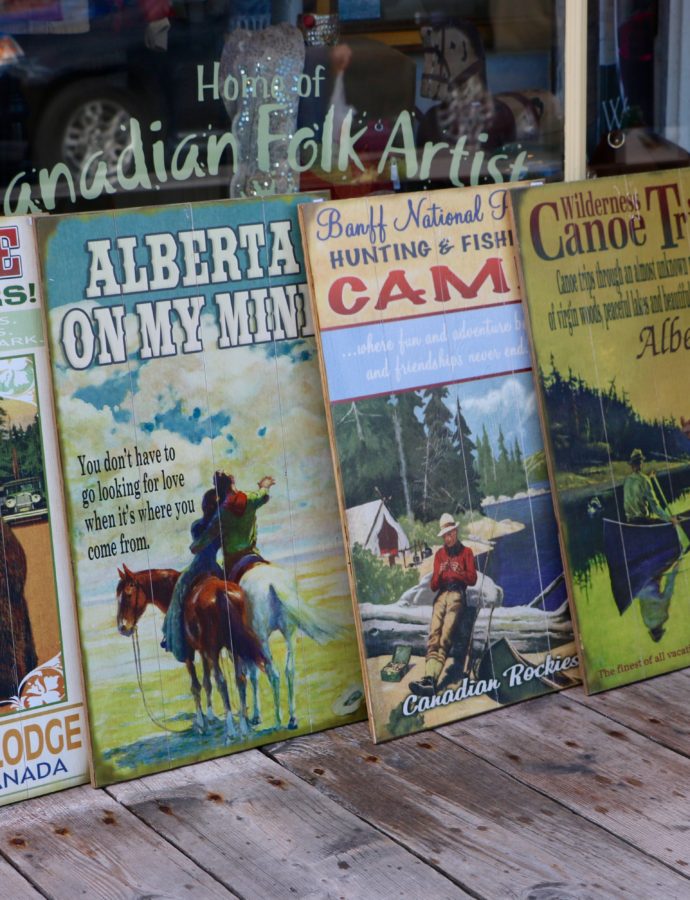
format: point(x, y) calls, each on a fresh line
point(275, 605)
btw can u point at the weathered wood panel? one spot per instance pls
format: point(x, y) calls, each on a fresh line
point(494, 835)
point(265, 833)
point(81, 842)
point(14, 885)
point(618, 779)
point(657, 708)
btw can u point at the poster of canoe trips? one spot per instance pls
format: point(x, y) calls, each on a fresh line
point(210, 572)
point(461, 602)
point(607, 278)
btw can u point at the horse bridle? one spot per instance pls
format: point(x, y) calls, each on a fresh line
point(149, 599)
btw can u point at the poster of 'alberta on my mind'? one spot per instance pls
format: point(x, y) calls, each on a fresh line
point(210, 574)
point(460, 596)
point(607, 279)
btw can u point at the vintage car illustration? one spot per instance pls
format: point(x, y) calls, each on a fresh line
point(23, 498)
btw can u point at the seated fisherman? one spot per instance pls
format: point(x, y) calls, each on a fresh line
point(454, 572)
point(640, 501)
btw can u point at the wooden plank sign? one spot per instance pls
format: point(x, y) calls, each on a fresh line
point(199, 483)
point(43, 735)
point(606, 270)
point(456, 570)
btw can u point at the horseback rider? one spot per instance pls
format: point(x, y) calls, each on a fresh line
point(229, 521)
point(204, 563)
point(235, 525)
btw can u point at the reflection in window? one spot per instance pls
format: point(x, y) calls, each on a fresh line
point(107, 101)
point(639, 104)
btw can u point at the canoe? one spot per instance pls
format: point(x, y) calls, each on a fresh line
point(638, 553)
point(503, 654)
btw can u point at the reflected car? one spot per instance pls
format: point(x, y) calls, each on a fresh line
point(67, 96)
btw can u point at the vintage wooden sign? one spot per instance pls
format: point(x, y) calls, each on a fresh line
point(606, 273)
point(460, 597)
point(210, 574)
point(43, 735)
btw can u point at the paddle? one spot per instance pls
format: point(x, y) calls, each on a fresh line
point(682, 537)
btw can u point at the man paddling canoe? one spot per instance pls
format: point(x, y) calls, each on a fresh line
point(640, 500)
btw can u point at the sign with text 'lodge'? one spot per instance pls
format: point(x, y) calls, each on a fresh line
point(43, 733)
point(607, 278)
point(456, 570)
point(199, 486)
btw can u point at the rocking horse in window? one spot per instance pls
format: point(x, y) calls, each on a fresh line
point(455, 74)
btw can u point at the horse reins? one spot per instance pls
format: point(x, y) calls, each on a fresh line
point(140, 682)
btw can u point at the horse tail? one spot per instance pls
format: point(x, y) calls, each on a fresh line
point(302, 617)
point(243, 640)
point(271, 586)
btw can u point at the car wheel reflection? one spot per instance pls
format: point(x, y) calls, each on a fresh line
point(87, 118)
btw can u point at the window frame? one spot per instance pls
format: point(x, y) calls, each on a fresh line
point(575, 92)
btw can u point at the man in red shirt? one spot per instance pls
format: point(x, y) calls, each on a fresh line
point(454, 572)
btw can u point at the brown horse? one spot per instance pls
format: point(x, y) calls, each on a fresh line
point(214, 615)
point(17, 649)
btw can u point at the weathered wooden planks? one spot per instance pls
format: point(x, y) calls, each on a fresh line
point(657, 708)
point(265, 833)
point(494, 835)
point(14, 885)
point(581, 809)
point(606, 773)
point(81, 842)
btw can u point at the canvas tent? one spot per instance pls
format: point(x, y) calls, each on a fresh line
point(374, 527)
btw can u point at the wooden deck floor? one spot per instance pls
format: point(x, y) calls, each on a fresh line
point(562, 797)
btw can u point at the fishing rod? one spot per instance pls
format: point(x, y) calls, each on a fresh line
point(474, 664)
point(682, 536)
point(660, 494)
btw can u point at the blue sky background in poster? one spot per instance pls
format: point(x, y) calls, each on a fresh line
point(507, 403)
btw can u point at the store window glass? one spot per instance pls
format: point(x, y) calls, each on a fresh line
point(107, 101)
point(638, 86)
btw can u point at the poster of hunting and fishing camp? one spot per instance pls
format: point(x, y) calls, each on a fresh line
point(460, 596)
point(43, 733)
point(210, 574)
point(606, 270)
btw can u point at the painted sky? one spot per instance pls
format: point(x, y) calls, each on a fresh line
point(508, 402)
point(250, 411)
